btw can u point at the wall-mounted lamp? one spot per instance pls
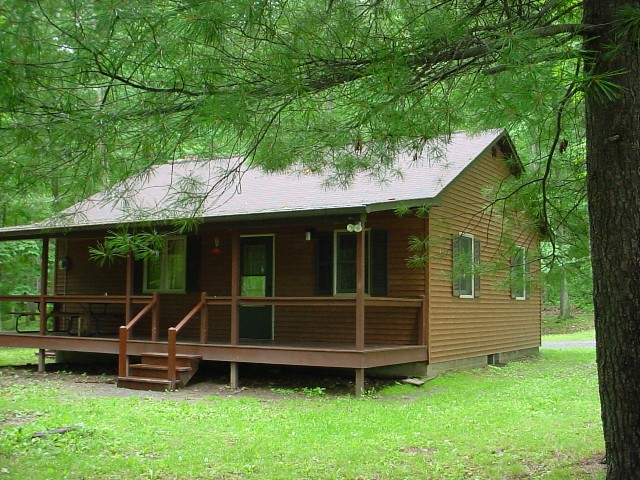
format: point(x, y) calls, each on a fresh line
point(216, 246)
point(354, 227)
point(64, 263)
point(309, 234)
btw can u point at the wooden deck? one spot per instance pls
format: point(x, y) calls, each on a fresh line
point(137, 337)
point(256, 351)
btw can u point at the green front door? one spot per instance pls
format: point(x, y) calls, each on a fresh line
point(256, 280)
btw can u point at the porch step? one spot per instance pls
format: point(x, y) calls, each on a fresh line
point(142, 383)
point(159, 371)
point(159, 358)
point(152, 372)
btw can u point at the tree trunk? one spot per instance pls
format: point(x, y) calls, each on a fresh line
point(613, 183)
point(565, 305)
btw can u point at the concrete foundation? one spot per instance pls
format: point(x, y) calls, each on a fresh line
point(435, 369)
point(421, 369)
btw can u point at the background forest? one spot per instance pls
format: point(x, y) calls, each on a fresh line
point(92, 92)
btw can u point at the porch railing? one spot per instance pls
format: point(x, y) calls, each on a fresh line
point(82, 305)
point(124, 333)
point(419, 303)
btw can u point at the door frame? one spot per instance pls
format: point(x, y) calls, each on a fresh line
point(273, 271)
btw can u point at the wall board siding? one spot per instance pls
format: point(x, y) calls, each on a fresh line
point(294, 275)
point(493, 322)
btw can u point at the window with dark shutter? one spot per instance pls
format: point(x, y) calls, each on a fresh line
point(336, 263)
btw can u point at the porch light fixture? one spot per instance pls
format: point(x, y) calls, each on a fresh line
point(354, 227)
point(216, 246)
point(64, 263)
point(309, 234)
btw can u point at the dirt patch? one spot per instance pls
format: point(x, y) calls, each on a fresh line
point(212, 379)
point(14, 419)
point(425, 451)
point(592, 465)
point(587, 468)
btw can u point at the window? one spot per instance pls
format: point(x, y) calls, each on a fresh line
point(520, 274)
point(167, 271)
point(466, 263)
point(336, 263)
point(345, 258)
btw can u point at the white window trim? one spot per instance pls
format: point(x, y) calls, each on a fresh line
point(473, 266)
point(367, 259)
point(164, 267)
point(522, 274)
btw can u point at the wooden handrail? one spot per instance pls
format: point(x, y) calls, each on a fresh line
point(172, 337)
point(111, 299)
point(124, 332)
point(191, 314)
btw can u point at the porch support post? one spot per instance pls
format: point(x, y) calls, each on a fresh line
point(422, 321)
point(359, 381)
point(360, 285)
point(128, 289)
point(155, 317)
point(235, 289)
point(41, 357)
point(44, 281)
point(204, 319)
point(234, 376)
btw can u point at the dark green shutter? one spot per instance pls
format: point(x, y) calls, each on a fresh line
point(379, 263)
point(138, 276)
point(476, 267)
point(455, 259)
point(324, 263)
point(527, 274)
point(194, 244)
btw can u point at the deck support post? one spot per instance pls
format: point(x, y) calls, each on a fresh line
point(234, 375)
point(41, 357)
point(360, 285)
point(235, 288)
point(359, 381)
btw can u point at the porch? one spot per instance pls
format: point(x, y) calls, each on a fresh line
point(139, 333)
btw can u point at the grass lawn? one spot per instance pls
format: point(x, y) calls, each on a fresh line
point(552, 325)
point(538, 418)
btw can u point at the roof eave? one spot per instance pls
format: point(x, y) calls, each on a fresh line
point(26, 233)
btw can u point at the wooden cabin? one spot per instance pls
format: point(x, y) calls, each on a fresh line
point(285, 270)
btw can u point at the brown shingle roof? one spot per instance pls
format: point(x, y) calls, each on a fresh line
point(211, 189)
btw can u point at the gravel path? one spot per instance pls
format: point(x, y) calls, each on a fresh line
point(571, 344)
